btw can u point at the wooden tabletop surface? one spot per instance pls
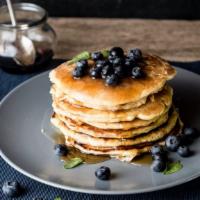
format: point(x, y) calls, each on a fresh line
point(173, 40)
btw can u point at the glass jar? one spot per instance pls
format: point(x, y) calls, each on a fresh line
point(32, 26)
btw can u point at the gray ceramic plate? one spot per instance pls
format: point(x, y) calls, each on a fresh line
point(25, 111)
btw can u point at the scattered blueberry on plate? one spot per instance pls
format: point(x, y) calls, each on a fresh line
point(61, 149)
point(172, 143)
point(103, 173)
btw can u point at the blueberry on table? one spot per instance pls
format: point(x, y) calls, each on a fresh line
point(97, 56)
point(172, 143)
point(116, 52)
point(137, 72)
point(95, 72)
point(78, 72)
point(103, 173)
point(60, 149)
point(12, 188)
point(183, 151)
point(190, 132)
point(82, 64)
point(112, 80)
point(158, 165)
point(135, 54)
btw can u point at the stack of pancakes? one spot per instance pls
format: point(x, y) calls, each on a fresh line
point(123, 121)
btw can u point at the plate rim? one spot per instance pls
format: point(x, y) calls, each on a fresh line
point(82, 190)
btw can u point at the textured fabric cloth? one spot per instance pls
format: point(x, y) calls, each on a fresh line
point(33, 189)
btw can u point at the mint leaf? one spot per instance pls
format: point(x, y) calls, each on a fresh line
point(173, 167)
point(73, 163)
point(57, 198)
point(83, 55)
point(105, 53)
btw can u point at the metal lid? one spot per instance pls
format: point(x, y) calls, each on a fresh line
point(25, 7)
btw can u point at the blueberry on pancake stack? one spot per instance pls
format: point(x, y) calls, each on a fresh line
point(112, 103)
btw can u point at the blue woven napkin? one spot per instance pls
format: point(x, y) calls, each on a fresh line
point(33, 189)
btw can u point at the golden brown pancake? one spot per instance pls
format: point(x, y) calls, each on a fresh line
point(96, 93)
point(152, 136)
point(121, 153)
point(106, 133)
point(154, 107)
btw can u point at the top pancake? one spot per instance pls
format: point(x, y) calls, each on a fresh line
point(95, 92)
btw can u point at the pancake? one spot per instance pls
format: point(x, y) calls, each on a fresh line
point(122, 153)
point(95, 93)
point(105, 133)
point(154, 107)
point(58, 94)
point(152, 136)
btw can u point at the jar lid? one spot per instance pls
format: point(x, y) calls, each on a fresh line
point(33, 14)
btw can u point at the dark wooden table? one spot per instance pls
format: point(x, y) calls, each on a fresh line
point(171, 39)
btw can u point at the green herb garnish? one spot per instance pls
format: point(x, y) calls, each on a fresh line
point(82, 56)
point(73, 163)
point(173, 167)
point(57, 198)
point(105, 53)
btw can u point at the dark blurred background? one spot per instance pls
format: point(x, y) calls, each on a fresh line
point(152, 9)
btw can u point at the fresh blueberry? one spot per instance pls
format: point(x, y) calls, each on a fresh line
point(95, 72)
point(157, 149)
point(119, 71)
point(118, 61)
point(37, 198)
point(61, 149)
point(103, 173)
point(112, 80)
point(137, 72)
point(97, 56)
point(135, 54)
point(190, 132)
point(162, 157)
point(106, 71)
point(158, 165)
point(116, 52)
point(172, 142)
point(82, 64)
point(183, 151)
point(78, 72)
point(101, 63)
point(12, 188)
point(111, 58)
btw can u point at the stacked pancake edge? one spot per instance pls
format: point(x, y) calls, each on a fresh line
point(123, 121)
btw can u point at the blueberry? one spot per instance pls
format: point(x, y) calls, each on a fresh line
point(12, 188)
point(135, 54)
point(172, 142)
point(183, 151)
point(116, 52)
point(157, 149)
point(162, 157)
point(103, 173)
point(106, 71)
point(82, 64)
point(190, 132)
point(137, 72)
point(97, 56)
point(119, 71)
point(61, 149)
point(95, 72)
point(158, 165)
point(78, 72)
point(118, 61)
point(111, 58)
point(101, 63)
point(112, 80)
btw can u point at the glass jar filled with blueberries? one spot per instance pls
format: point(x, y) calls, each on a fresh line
point(28, 45)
